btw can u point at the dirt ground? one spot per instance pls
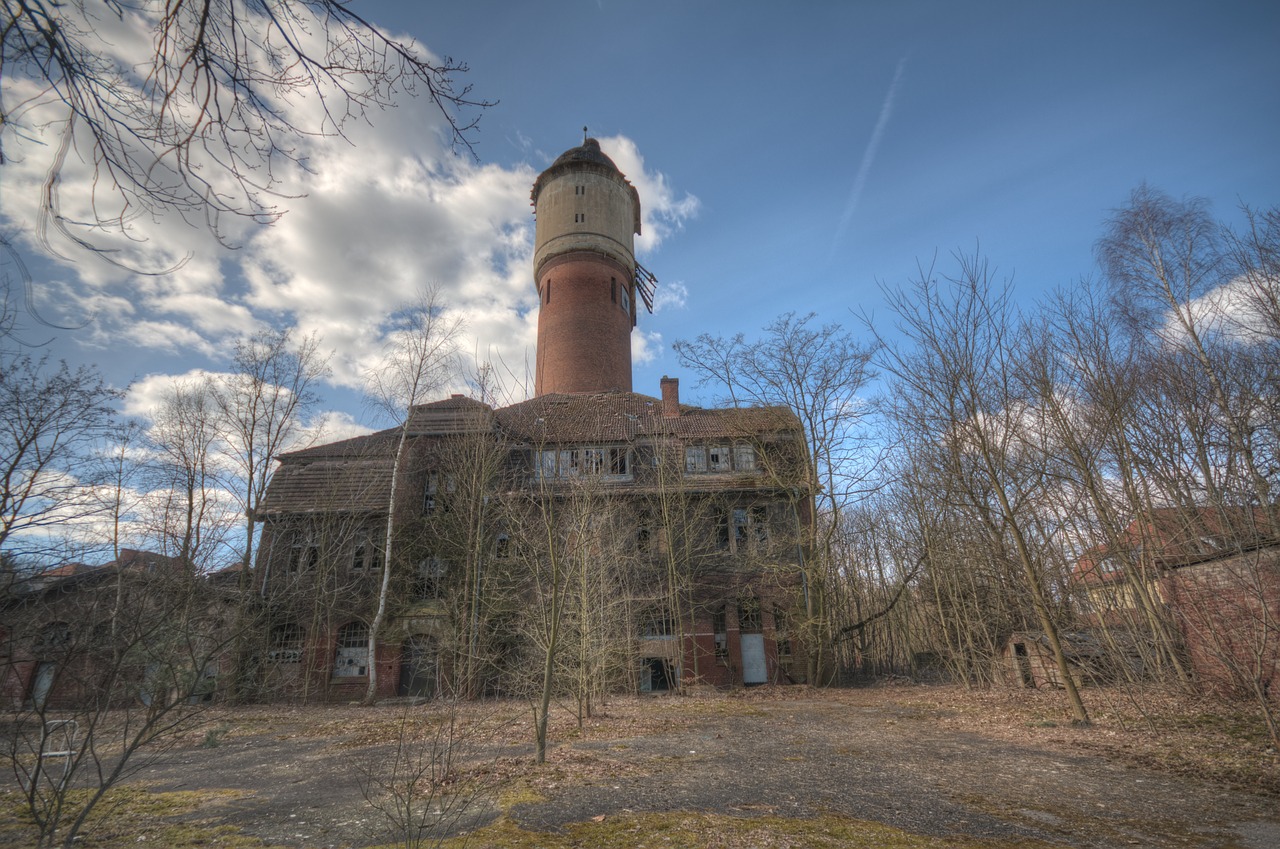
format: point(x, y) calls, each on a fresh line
point(935, 762)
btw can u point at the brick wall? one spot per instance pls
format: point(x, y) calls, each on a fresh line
point(1229, 614)
point(584, 332)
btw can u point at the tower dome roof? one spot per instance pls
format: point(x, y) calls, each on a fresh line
point(586, 157)
point(588, 151)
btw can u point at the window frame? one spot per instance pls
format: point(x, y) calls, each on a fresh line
point(351, 644)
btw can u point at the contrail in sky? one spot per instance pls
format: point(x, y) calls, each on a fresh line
point(869, 155)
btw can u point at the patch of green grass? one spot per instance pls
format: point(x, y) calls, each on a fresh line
point(213, 736)
point(130, 815)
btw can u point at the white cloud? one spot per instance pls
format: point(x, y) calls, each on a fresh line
point(663, 211)
point(646, 346)
point(670, 296)
point(372, 219)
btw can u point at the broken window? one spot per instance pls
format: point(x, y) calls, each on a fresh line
point(722, 531)
point(304, 555)
point(749, 614)
point(569, 467)
point(284, 644)
point(428, 580)
point(759, 525)
point(739, 457)
point(740, 528)
point(53, 639)
point(575, 462)
point(591, 461)
point(435, 497)
point(502, 547)
point(657, 623)
point(367, 553)
point(352, 657)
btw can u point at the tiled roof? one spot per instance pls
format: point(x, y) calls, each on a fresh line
point(1172, 537)
point(625, 416)
point(354, 475)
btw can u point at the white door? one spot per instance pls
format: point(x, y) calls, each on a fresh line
point(753, 668)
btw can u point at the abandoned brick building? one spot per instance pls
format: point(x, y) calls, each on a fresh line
point(660, 540)
point(1209, 577)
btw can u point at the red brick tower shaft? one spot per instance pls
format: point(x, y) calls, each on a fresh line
point(584, 267)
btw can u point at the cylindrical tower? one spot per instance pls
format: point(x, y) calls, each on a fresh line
point(585, 269)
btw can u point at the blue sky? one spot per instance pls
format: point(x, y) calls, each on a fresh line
point(790, 158)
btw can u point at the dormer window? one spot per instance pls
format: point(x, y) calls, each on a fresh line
point(720, 458)
point(612, 461)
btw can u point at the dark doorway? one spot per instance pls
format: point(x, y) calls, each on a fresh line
point(418, 667)
point(657, 677)
point(1024, 664)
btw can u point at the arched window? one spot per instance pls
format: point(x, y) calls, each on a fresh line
point(352, 657)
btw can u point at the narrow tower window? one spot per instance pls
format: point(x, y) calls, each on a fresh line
point(613, 289)
point(579, 190)
point(579, 218)
point(547, 289)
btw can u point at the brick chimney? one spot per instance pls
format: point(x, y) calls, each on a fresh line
point(670, 396)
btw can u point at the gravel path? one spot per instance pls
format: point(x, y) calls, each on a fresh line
point(793, 757)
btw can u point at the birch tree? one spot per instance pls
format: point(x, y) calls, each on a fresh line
point(417, 363)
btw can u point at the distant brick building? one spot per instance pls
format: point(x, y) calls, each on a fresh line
point(685, 522)
point(1212, 574)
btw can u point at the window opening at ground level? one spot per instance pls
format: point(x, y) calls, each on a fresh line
point(352, 657)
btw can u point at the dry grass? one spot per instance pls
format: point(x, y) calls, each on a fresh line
point(1161, 730)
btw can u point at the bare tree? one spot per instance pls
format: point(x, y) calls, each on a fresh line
point(418, 361)
point(428, 786)
point(958, 393)
point(261, 406)
point(123, 658)
point(49, 419)
point(200, 123)
point(192, 515)
point(819, 372)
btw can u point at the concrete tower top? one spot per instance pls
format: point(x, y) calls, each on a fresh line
point(588, 157)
